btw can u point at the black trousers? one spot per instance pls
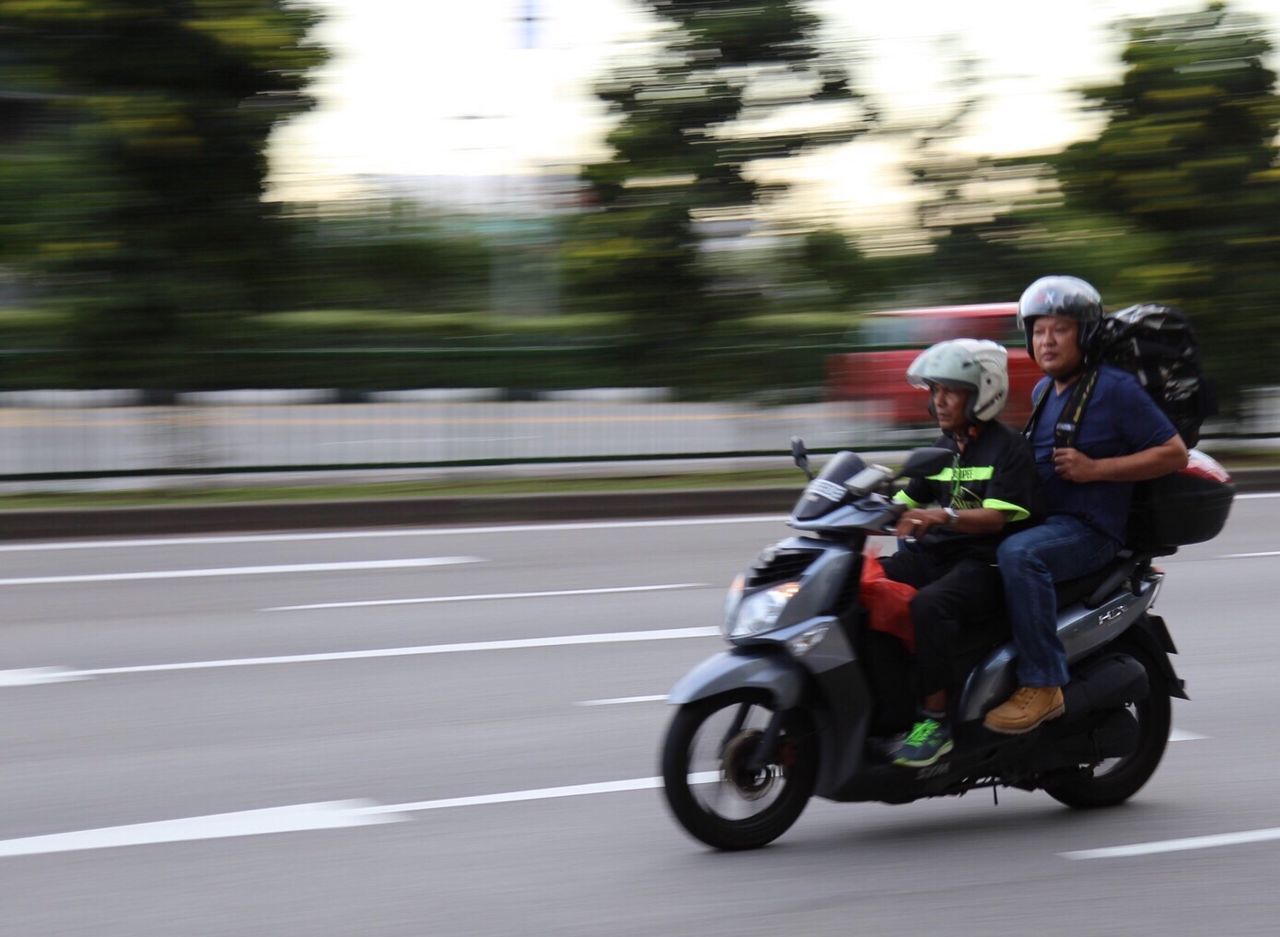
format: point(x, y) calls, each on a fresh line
point(958, 613)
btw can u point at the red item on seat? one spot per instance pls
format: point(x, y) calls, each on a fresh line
point(886, 602)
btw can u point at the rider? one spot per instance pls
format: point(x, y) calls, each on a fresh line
point(1120, 437)
point(947, 551)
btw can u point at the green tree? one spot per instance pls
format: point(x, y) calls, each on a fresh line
point(828, 270)
point(733, 87)
point(1187, 164)
point(136, 190)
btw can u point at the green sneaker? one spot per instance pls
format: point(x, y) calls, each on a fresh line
point(928, 741)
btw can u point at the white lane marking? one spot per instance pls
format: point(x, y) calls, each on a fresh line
point(1181, 735)
point(291, 819)
point(1258, 494)
point(33, 676)
point(619, 700)
point(1247, 556)
point(414, 563)
point(544, 793)
point(300, 817)
point(487, 597)
point(1176, 845)
point(415, 440)
point(372, 533)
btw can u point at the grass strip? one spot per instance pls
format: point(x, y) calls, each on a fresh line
point(425, 488)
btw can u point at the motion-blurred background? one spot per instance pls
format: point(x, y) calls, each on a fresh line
point(529, 229)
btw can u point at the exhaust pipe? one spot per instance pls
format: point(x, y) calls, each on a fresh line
point(1115, 736)
point(1107, 682)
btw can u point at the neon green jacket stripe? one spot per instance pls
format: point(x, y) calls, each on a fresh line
point(1015, 513)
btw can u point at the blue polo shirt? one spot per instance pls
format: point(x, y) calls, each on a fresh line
point(1120, 419)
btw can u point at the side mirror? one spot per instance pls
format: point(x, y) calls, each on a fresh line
point(925, 462)
point(801, 456)
point(869, 479)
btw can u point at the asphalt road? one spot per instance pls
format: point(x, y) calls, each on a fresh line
point(188, 751)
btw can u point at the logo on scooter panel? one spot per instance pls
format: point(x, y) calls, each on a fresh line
point(1111, 615)
point(933, 771)
point(821, 488)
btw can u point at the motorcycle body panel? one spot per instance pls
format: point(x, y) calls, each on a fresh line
point(1082, 630)
point(742, 668)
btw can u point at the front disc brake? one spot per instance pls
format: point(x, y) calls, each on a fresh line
point(750, 785)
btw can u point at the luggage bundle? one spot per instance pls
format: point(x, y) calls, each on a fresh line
point(1155, 343)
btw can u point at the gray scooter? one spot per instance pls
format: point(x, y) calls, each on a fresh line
point(785, 713)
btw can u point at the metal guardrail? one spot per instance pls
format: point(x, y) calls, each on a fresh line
point(59, 438)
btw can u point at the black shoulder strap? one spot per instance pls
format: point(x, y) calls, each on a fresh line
point(1068, 425)
point(1036, 406)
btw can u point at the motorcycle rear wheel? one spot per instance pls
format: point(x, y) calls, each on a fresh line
point(1115, 780)
point(707, 780)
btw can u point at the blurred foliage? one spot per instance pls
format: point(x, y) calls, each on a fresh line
point(381, 255)
point(132, 140)
point(133, 165)
point(376, 326)
point(732, 86)
point(1177, 199)
point(962, 197)
point(360, 350)
point(1188, 161)
point(828, 257)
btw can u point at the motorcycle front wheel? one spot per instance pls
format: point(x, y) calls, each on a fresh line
point(709, 779)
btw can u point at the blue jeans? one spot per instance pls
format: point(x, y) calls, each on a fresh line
point(1031, 561)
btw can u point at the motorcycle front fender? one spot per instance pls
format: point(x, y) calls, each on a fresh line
point(742, 669)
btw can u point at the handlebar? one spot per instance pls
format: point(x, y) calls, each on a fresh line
point(897, 509)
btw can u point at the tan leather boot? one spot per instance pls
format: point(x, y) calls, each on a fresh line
point(1025, 710)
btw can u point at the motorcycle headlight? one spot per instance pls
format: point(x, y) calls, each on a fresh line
point(758, 612)
point(732, 599)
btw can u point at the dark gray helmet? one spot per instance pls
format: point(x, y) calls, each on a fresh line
point(1069, 297)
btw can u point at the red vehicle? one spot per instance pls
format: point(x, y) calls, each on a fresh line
point(875, 376)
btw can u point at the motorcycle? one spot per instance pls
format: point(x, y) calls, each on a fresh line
point(786, 712)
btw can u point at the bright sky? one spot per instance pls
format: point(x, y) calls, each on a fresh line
point(436, 88)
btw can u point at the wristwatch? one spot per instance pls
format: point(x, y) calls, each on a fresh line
point(952, 516)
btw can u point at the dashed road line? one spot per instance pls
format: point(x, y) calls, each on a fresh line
point(1176, 845)
point(492, 596)
point(411, 563)
point(294, 818)
point(377, 533)
point(621, 700)
point(39, 675)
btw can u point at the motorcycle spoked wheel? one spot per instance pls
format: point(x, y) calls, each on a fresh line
point(1115, 780)
point(708, 784)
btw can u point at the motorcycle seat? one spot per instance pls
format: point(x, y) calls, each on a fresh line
point(1092, 589)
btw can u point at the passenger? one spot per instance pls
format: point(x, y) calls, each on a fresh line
point(1120, 437)
point(949, 550)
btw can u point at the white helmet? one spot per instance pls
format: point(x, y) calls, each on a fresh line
point(976, 365)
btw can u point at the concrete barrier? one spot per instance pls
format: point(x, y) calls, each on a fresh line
point(256, 398)
point(71, 399)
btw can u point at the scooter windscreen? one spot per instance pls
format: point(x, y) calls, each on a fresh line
point(827, 491)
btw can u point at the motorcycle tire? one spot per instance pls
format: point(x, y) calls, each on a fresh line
point(1116, 780)
point(708, 784)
